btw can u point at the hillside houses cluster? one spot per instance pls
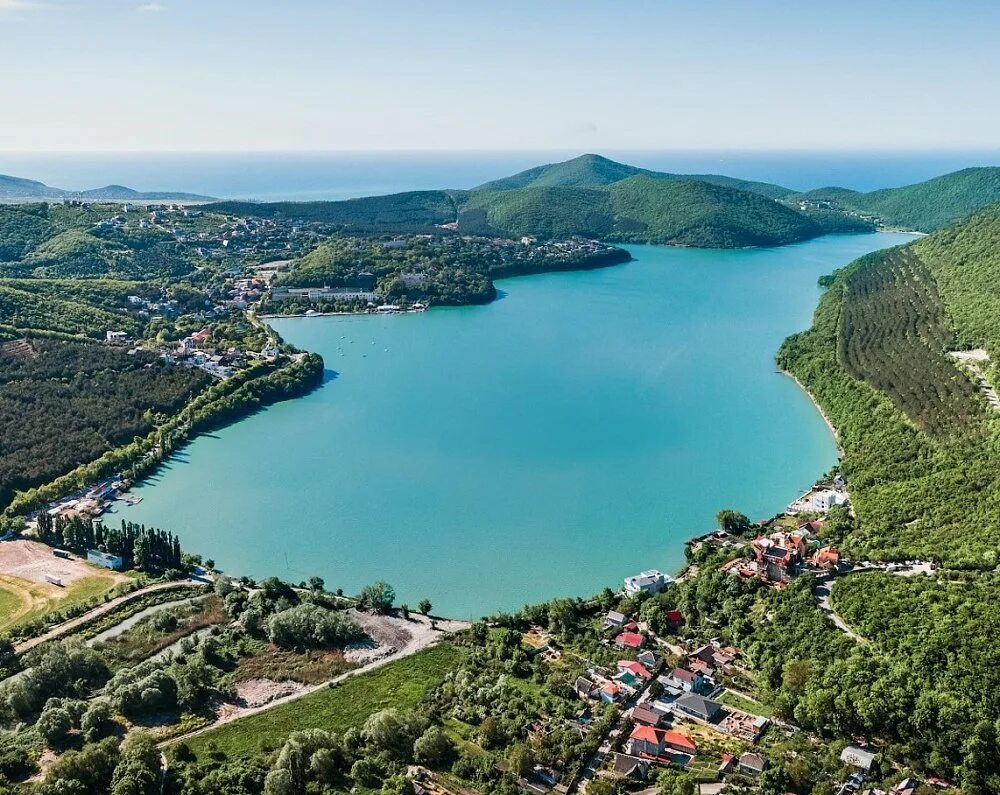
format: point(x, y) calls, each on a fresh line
point(777, 557)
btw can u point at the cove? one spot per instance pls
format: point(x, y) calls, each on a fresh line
point(575, 431)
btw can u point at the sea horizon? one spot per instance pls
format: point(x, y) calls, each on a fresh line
point(303, 175)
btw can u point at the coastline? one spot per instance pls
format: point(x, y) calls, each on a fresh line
point(819, 408)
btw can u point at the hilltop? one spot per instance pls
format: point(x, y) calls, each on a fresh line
point(925, 206)
point(589, 196)
point(18, 189)
point(591, 171)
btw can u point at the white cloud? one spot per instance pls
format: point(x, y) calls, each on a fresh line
point(146, 8)
point(18, 5)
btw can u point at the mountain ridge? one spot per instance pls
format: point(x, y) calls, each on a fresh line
point(20, 189)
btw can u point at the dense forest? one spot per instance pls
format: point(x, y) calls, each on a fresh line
point(63, 403)
point(926, 206)
point(643, 208)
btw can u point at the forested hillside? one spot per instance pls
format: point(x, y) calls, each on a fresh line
point(64, 403)
point(920, 442)
point(926, 206)
point(591, 171)
point(643, 208)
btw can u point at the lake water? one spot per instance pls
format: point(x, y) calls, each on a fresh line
point(575, 431)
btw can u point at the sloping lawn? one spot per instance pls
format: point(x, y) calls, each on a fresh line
point(402, 684)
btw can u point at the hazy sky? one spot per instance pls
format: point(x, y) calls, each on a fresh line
point(498, 74)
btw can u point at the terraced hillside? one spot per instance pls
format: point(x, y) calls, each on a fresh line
point(922, 448)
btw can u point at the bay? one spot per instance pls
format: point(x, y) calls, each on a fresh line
point(575, 431)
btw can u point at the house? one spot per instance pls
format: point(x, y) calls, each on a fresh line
point(683, 679)
point(823, 501)
point(648, 658)
point(697, 707)
point(752, 764)
point(615, 619)
point(858, 757)
point(825, 558)
point(645, 714)
point(116, 336)
point(585, 688)
point(105, 559)
point(908, 786)
point(651, 582)
point(632, 767)
point(675, 619)
point(727, 764)
point(611, 693)
point(630, 640)
point(653, 743)
point(636, 669)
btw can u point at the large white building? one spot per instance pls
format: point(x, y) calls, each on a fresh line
point(823, 501)
point(651, 581)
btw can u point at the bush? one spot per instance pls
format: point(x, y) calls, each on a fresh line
point(309, 626)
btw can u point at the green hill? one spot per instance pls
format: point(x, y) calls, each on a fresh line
point(591, 171)
point(644, 208)
point(411, 209)
point(925, 206)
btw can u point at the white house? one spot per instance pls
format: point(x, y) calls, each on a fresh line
point(116, 336)
point(823, 501)
point(105, 559)
point(651, 581)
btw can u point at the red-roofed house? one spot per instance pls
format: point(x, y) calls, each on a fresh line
point(611, 693)
point(674, 618)
point(634, 668)
point(650, 742)
point(630, 640)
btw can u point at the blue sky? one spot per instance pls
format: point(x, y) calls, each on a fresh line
point(475, 74)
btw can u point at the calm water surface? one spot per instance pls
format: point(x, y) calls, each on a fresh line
point(572, 433)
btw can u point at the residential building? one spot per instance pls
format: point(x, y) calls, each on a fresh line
point(632, 767)
point(645, 714)
point(697, 707)
point(648, 741)
point(860, 758)
point(651, 581)
point(630, 640)
point(683, 679)
point(585, 688)
point(823, 501)
point(615, 619)
point(752, 764)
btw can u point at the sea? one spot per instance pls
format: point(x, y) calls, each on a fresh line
point(575, 431)
point(311, 176)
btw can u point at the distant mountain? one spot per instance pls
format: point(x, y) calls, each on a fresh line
point(17, 189)
point(591, 171)
point(422, 208)
point(590, 196)
point(925, 206)
point(646, 208)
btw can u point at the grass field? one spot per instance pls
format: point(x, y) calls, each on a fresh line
point(402, 684)
point(23, 601)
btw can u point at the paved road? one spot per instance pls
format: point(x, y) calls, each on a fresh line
point(68, 627)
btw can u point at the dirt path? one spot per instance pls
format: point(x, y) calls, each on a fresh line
point(68, 627)
point(404, 637)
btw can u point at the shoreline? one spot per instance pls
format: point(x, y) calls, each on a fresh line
point(819, 408)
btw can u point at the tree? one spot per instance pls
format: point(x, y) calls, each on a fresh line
point(54, 725)
point(138, 771)
point(96, 721)
point(378, 597)
point(424, 606)
point(316, 584)
point(732, 521)
point(521, 760)
point(434, 749)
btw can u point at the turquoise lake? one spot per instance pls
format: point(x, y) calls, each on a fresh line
point(574, 432)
